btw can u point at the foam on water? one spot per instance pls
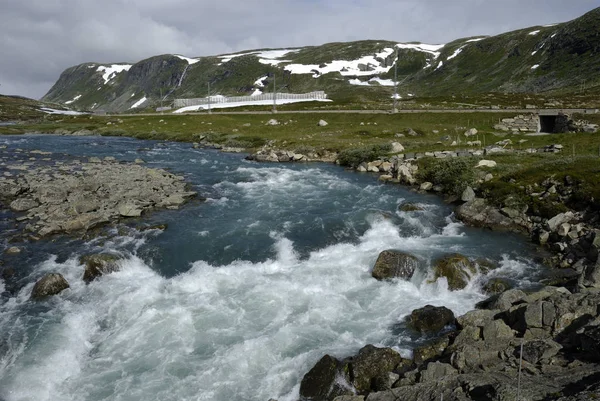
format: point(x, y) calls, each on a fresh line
point(276, 273)
point(240, 331)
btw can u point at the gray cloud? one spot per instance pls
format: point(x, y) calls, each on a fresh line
point(40, 38)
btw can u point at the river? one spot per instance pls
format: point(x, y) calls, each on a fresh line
point(242, 294)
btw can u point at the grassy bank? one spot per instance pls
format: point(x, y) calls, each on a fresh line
point(367, 134)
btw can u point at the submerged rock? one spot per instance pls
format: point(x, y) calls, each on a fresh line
point(431, 319)
point(98, 265)
point(410, 207)
point(393, 264)
point(50, 284)
point(457, 269)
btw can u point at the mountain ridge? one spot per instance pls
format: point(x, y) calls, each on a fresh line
point(539, 59)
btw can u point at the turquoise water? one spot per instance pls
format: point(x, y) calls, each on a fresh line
point(242, 293)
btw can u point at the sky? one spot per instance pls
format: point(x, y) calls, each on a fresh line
point(41, 38)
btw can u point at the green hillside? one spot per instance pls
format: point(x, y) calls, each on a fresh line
point(556, 60)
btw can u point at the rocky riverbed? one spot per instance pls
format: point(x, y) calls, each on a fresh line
point(74, 196)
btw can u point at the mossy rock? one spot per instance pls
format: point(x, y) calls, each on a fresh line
point(431, 350)
point(410, 207)
point(370, 363)
point(99, 264)
point(50, 284)
point(497, 285)
point(394, 264)
point(457, 269)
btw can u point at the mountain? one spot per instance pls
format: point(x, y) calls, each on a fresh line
point(558, 58)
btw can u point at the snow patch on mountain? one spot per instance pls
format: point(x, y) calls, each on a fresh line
point(73, 100)
point(61, 112)
point(259, 82)
point(456, 53)
point(112, 71)
point(189, 60)
point(475, 40)
point(256, 92)
point(138, 103)
point(264, 57)
point(533, 33)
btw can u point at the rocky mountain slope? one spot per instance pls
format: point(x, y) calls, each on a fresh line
point(558, 58)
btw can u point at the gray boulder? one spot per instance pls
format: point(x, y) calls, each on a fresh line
point(431, 319)
point(50, 284)
point(394, 264)
point(468, 195)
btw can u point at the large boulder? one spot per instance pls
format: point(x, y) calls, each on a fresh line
point(431, 319)
point(393, 264)
point(457, 269)
point(322, 382)
point(98, 264)
point(50, 284)
point(370, 363)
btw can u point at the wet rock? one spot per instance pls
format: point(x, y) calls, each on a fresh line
point(370, 363)
point(393, 264)
point(431, 319)
point(410, 207)
point(322, 382)
point(350, 398)
point(456, 268)
point(478, 213)
point(50, 284)
point(13, 250)
point(497, 285)
point(98, 264)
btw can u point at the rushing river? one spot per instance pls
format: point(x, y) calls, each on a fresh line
point(242, 294)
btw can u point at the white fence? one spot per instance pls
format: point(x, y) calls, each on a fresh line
point(178, 103)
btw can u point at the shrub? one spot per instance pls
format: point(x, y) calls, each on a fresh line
point(354, 157)
point(455, 174)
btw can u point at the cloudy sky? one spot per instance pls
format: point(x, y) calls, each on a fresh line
point(40, 38)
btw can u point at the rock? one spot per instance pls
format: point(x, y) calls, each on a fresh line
point(543, 237)
point(431, 319)
point(397, 147)
point(322, 383)
point(129, 209)
point(471, 132)
point(588, 341)
point(13, 250)
point(139, 161)
point(393, 264)
point(272, 122)
point(410, 207)
point(426, 186)
point(479, 214)
point(98, 264)
point(456, 268)
point(476, 318)
point(538, 350)
point(322, 123)
point(496, 330)
point(94, 159)
point(563, 229)
point(468, 194)
point(349, 398)
point(496, 285)
point(486, 163)
point(23, 204)
point(50, 284)
point(559, 219)
point(370, 363)
point(431, 350)
point(488, 177)
point(437, 371)
point(506, 300)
